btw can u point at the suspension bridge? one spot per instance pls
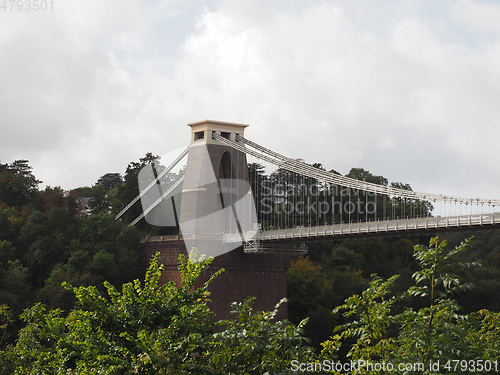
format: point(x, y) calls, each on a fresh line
point(291, 200)
point(251, 208)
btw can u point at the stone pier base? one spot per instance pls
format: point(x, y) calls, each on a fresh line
point(258, 275)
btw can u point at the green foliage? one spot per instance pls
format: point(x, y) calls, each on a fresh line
point(433, 332)
point(483, 335)
point(146, 328)
point(123, 193)
point(7, 253)
point(109, 181)
point(18, 185)
point(309, 286)
point(14, 286)
point(127, 327)
point(149, 328)
point(5, 320)
point(389, 328)
point(312, 294)
point(40, 231)
point(371, 312)
point(254, 343)
point(11, 222)
point(364, 175)
point(345, 268)
point(6, 356)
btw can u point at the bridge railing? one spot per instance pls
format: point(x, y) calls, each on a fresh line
point(380, 226)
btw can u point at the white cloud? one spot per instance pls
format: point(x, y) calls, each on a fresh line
point(408, 90)
point(313, 78)
point(481, 16)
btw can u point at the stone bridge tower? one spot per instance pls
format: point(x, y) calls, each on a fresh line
point(216, 194)
point(215, 184)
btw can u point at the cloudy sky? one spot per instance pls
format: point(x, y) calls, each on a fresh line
point(406, 89)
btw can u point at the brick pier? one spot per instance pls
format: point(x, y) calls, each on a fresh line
point(259, 275)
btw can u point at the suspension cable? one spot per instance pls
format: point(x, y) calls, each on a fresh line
point(163, 173)
point(300, 167)
point(158, 201)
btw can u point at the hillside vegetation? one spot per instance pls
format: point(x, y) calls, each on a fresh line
point(71, 300)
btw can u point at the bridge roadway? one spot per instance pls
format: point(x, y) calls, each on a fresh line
point(379, 227)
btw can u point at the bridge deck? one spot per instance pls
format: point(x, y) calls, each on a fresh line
point(382, 226)
point(463, 222)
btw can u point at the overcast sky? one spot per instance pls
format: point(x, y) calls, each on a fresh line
point(406, 89)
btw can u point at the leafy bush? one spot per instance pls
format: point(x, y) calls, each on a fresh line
point(381, 327)
point(152, 329)
point(148, 328)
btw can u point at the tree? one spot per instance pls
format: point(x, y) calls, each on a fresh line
point(109, 181)
point(404, 207)
point(5, 320)
point(18, 185)
point(308, 287)
point(52, 198)
point(122, 194)
point(6, 358)
point(254, 343)
point(98, 202)
point(7, 253)
point(15, 290)
point(93, 198)
point(432, 332)
point(257, 179)
point(370, 328)
point(148, 328)
point(483, 335)
point(11, 223)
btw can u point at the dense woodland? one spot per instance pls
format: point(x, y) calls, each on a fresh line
point(69, 302)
